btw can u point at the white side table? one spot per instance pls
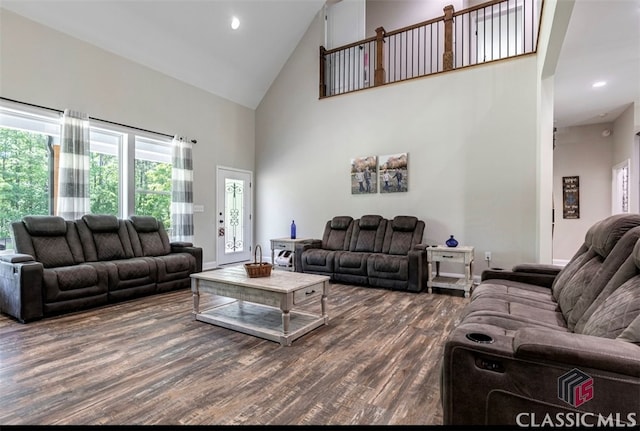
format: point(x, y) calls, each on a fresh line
point(461, 254)
point(286, 244)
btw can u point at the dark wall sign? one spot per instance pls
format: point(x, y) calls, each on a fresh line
point(571, 197)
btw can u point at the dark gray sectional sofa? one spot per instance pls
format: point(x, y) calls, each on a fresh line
point(543, 345)
point(63, 266)
point(371, 251)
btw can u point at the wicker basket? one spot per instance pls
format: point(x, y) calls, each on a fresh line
point(258, 268)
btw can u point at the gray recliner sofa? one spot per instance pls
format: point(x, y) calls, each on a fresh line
point(371, 251)
point(547, 345)
point(63, 266)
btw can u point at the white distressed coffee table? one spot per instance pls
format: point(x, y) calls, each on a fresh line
point(264, 306)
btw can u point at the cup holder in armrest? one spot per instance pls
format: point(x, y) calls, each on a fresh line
point(477, 337)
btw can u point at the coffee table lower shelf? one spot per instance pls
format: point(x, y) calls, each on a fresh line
point(261, 320)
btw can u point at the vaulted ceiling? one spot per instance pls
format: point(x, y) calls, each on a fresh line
point(192, 40)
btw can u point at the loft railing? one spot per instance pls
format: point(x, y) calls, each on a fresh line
point(487, 32)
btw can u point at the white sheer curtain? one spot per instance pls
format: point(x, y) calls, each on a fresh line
point(73, 180)
point(182, 190)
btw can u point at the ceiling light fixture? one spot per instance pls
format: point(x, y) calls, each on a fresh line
point(598, 84)
point(235, 23)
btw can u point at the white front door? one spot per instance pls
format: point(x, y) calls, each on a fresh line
point(233, 222)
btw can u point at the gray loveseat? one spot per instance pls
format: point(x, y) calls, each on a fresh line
point(63, 266)
point(371, 251)
point(543, 345)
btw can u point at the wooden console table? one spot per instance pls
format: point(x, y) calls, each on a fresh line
point(441, 253)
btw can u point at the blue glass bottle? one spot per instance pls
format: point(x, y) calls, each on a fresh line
point(451, 242)
point(293, 229)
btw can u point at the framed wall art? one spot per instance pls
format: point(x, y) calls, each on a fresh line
point(571, 197)
point(364, 177)
point(394, 173)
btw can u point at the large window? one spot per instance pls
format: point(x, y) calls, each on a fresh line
point(153, 179)
point(24, 178)
point(104, 171)
point(130, 171)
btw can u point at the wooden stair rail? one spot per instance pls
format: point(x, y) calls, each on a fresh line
point(323, 85)
point(347, 68)
point(447, 56)
point(379, 72)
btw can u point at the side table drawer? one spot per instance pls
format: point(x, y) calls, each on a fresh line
point(446, 256)
point(283, 246)
point(306, 294)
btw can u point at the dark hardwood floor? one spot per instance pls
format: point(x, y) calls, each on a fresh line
point(147, 362)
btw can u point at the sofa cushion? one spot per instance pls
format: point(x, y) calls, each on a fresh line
point(341, 222)
point(52, 251)
point(101, 222)
point(45, 225)
point(404, 223)
point(73, 282)
point(49, 239)
point(369, 222)
point(585, 286)
point(617, 312)
point(319, 257)
point(337, 233)
point(611, 229)
point(368, 234)
point(145, 223)
point(109, 247)
point(584, 253)
point(632, 333)
point(104, 238)
point(618, 305)
point(148, 237)
point(152, 244)
point(402, 234)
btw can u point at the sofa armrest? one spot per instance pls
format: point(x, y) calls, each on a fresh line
point(178, 247)
point(579, 350)
point(538, 279)
point(300, 248)
point(537, 268)
point(181, 244)
point(518, 371)
point(313, 243)
point(16, 258)
point(417, 269)
point(21, 287)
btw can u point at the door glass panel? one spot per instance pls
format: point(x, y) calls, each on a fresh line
point(234, 190)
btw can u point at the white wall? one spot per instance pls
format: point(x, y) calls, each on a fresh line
point(395, 14)
point(624, 147)
point(581, 151)
point(41, 66)
point(584, 151)
point(471, 138)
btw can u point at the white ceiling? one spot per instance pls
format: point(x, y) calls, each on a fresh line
point(191, 40)
point(602, 44)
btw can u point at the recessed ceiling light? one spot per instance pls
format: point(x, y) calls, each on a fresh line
point(235, 23)
point(599, 84)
